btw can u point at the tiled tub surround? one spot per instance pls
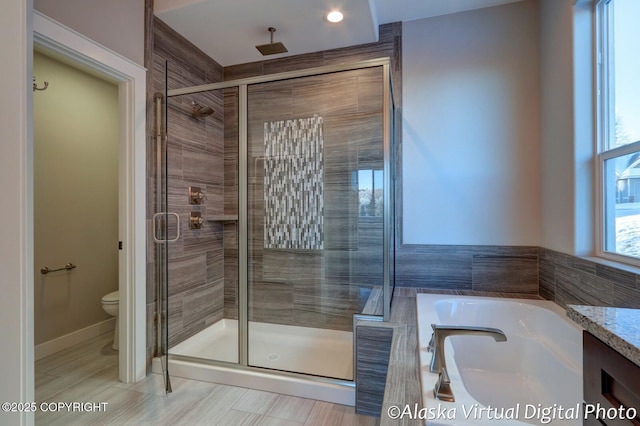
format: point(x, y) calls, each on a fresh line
point(508, 269)
point(567, 279)
point(619, 328)
point(402, 385)
point(562, 278)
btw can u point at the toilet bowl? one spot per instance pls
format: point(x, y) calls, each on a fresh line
point(111, 304)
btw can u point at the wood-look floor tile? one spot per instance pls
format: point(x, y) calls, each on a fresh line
point(218, 405)
point(63, 358)
point(324, 413)
point(255, 401)
point(145, 403)
point(274, 421)
point(231, 418)
point(73, 377)
point(350, 418)
point(291, 408)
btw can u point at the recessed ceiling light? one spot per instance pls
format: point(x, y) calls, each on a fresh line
point(334, 16)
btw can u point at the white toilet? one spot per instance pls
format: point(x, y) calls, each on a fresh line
point(111, 304)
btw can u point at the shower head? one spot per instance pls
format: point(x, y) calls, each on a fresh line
point(271, 48)
point(199, 111)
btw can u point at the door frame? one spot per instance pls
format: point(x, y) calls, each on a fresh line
point(67, 45)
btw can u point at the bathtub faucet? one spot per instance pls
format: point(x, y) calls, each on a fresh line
point(441, 332)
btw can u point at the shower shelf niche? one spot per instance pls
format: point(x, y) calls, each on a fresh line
point(223, 218)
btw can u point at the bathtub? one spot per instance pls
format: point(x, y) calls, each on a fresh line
point(535, 377)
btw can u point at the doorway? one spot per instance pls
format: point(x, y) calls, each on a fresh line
point(61, 43)
point(75, 204)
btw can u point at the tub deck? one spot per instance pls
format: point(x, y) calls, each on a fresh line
point(403, 385)
point(535, 377)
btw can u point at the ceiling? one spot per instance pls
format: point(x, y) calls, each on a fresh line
point(229, 30)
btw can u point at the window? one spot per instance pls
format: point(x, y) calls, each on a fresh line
point(619, 127)
point(370, 192)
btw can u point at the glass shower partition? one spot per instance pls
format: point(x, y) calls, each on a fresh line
point(283, 187)
point(315, 217)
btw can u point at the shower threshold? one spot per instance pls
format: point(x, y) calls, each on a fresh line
point(312, 351)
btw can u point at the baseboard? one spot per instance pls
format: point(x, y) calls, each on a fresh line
point(63, 342)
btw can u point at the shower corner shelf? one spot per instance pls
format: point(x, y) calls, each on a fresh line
point(223, 218)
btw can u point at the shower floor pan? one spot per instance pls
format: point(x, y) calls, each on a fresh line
point(317, 352)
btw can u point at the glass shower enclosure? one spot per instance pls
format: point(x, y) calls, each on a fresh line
point(281, 189)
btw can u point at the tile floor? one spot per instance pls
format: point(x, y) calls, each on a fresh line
point(88, 373)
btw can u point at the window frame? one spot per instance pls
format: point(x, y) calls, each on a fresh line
point(606, 131)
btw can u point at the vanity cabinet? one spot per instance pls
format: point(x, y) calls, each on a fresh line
point(610, 380)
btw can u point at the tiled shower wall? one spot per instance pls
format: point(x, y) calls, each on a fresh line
point(204, 264)
point(319, 285)
point(316, 288)
point(195, 148)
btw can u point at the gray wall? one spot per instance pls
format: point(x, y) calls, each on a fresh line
point(116, 24)
point(469, 198)
point(471, 145)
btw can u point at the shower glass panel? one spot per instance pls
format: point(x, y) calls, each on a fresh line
point(292, 176)
point(315, 217)
point(202, 152)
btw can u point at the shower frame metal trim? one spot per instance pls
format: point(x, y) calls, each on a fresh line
point(388, 190)
point(307, 72)
point(242, 85)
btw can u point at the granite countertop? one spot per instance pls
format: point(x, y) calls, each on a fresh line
point(617, 327)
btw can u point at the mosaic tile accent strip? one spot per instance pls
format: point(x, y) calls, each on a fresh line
point(293, 184)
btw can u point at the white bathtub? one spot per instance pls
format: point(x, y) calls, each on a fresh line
point(535, 377)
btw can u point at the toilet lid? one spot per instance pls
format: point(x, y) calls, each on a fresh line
point(113, 297)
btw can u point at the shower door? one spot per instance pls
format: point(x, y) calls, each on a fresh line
point(161, 229)
point(315, 218)
point(202, 146)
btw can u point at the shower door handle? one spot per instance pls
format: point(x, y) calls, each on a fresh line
point(155, 227)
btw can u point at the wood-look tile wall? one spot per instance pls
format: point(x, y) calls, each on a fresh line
point(311, 287)
point(319, 287)
point(205, 264)
point(195, 158)
point(508, 269)
point(567, 279)
point(373, 346)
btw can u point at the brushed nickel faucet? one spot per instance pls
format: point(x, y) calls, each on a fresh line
point(441, 332)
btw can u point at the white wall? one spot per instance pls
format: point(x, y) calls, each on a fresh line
point(566, 127)
point(116, 24)
point(556, 74)
point(75, 197)
point(16, 255)
point(471, 155)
